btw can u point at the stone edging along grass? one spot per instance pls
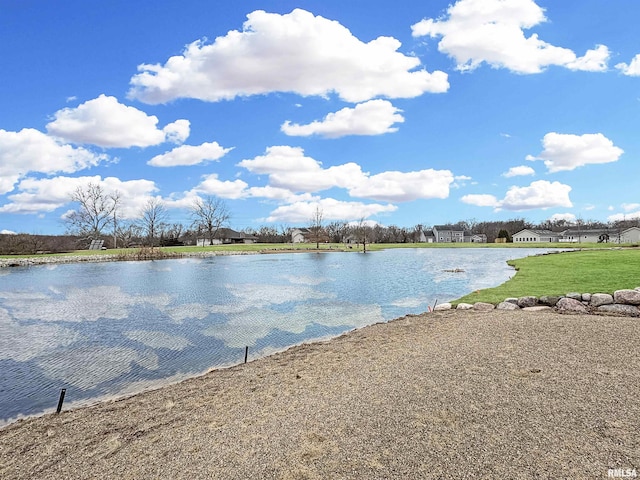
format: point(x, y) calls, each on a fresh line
point(623, 302)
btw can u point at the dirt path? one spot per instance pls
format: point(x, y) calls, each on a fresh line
point(445, 395)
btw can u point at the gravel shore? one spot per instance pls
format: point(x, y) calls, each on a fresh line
point(442, 395)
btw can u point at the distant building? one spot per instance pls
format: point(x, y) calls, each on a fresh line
point(306, 235)
point(536, 236)
point(580, 235)
point(577, 235)
point(452, 234)
point(226, 236)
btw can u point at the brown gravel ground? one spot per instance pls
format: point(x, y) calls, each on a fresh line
point(496, 395)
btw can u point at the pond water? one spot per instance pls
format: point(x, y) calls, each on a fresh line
point(108, 329)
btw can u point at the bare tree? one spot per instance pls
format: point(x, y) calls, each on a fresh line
point(337, 231)
point(152, 218)
point(315, 225)
point(115, 197)
point(209, 215)
point(362, 232)
point(96, 211)
point(129, 232)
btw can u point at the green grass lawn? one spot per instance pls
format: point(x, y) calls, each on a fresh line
point(584, 271)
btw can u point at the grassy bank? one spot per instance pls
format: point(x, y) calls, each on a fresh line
point(585, 271)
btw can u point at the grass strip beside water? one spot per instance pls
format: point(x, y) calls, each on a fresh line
point(584, 271)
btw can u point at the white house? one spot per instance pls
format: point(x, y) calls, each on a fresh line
point(596, 235)
point(300, 235)
point(535, 236)
point(630, 235)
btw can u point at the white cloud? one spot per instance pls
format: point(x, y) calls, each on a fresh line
point(480, 200)
point(520, 170)
point(187, 155)
point(492, 31)
point(288, 168)
point(627, 207)
point(106, 122)
point(567, 152)
point(593, 61)
point(211, 185)
point(567, 217)
point(8, 232)
point(461, 181)
point(296, 52)
point(301, 212)
point(540, 194)
point(178, 131)
point(30, 150)
point(48, 194)
point(403, 186)
point(632, 69)
point(281, 194)
point(620, 217)
point(374, 117)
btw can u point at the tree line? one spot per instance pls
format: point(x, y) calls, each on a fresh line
point(98, 216)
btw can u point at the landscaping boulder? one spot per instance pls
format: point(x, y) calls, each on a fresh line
point(629, 310)
point(574, 295)
point(586, 297)
point(483, 306)
point(571, 305)
point(507, 306)
point(598, 299)
point(524, 302)
point(627, 297)
point(443, 306)
point(464, 306)
point(513, 300)
point(548, 300)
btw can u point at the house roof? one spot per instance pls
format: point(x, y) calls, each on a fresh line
point(447, 227)
point(232, 234)
point(578, 231)
point(539, 232)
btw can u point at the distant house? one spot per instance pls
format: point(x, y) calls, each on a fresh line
point(300, 235)
point(533, 236)
point(580, 235)
point(478, 238)
point(630, 235)
point(451, 234)
point(227, 236)
point(447, 234)
point(596, 235)
point(306, 235)
point(427, 237)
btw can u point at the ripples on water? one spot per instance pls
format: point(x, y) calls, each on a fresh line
point(104, 329)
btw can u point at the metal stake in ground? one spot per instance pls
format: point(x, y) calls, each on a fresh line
point(246, 353)
point(61, 400)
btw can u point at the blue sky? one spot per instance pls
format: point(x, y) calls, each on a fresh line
point(400, 112)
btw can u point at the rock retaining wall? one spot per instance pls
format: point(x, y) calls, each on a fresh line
point(622, 302)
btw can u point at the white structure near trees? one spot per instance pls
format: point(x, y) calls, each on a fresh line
point(574, 235)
